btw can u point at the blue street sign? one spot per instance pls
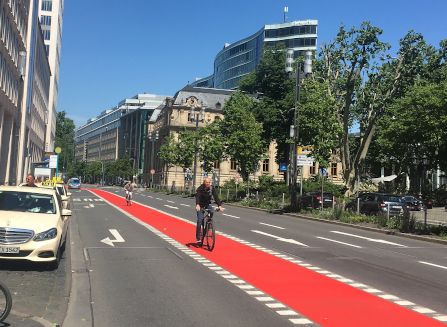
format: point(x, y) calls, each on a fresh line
point(205, 175)
point(323, 171)
point(46, 159)
point(283, 166)
point(187, 171)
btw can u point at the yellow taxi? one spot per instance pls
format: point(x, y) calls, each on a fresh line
point(33, 224)
point(62, 190)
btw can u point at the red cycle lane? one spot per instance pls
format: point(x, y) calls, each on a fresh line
point(324, 300)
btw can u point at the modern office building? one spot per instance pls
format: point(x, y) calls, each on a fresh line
point(118, 131)
point(51, 14)
point(236, 60)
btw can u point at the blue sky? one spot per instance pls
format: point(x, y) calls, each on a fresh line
point(112, 50)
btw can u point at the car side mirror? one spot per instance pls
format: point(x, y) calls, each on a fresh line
point(68, 194)
point(66, 212)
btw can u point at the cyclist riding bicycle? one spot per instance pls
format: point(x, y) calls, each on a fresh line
point(203, 200)
point(129, 189)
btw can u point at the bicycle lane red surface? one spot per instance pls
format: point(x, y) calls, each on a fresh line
point(326, 301)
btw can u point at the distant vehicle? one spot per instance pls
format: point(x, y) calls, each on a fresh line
point(312, 200)
point(378, 203)
point(74, 183)
point(415, 203)
point(33, 224)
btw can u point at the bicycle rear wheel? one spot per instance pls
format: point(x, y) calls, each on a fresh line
point(5, 302)
point(210, 235)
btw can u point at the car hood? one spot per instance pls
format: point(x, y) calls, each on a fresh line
point(34, 221)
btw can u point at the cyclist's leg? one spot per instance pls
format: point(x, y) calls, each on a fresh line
point(199, 224)
point(211, 210)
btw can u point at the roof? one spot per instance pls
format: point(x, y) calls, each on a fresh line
point(209, 96)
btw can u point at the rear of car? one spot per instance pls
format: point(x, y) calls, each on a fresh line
point(394, 203)
point(313, 199)
point(74, 183)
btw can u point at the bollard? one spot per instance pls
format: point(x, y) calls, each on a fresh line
point(220, 192)
point(388, 205)
point(228, 194)
point(283, 200)
point(256, 195)
point(358, 206)
point(425, 218)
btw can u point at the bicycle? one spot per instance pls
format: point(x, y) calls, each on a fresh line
point(5, 302)
point(208, 231)
point(129, 198)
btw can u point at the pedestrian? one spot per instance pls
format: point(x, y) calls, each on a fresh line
point(203, 200)
point(30, 181)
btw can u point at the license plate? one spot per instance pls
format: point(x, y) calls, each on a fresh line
point(396, 207)
point(327, 200)
point(9, 249)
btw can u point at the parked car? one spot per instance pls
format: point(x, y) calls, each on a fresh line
point(312, 200)
point(33, 224)
point(74, 183)
point(375, 203)
point(416, 203)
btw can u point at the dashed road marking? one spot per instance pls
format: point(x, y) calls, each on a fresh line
point(224, 214)
point(369, 239)
point(328, 239)
point(185, 205)
point(170, 201)
point(170, 206)
point(432, 264)
point(272, 226)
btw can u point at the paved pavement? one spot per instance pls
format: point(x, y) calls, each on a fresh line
point(40, 295)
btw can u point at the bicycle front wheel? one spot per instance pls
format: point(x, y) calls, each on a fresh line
point(210, 236)
point(5, 302)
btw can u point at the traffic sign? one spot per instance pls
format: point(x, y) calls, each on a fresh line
point(46, 159)
point(283, 166)
point(58, 150)
point(304, 163)
point(236, 180)
point(304, 157)
point(53, 161)
point(237, 175)
point(205, 175)
point(152, 171)
point(187, 171)
point(323, 171)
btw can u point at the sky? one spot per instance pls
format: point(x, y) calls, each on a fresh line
point(113, 50)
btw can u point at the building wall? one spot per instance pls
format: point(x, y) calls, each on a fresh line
point(175, 116)
point(13, 38)
point(51, 19)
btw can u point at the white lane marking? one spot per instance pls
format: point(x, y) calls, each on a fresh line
point(86, 207)
point(186, 205)
point(278, 238)
point(92, 205)
point(76, 199)
point(224, 214)
point(272, 226)
point(85, 199)
point(159, 199)
point(441, 318)
point(432, 264)
point(118, 238)
point(170, 201)
point(327, 239)
point(301, 321)
point(150, 196)
point(90, 200)
point(286, 313)
point(369, 239)
point(170, 207)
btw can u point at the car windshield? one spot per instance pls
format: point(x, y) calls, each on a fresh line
point(409, 198)
point(27, 202)
point(392, 198)
point(73, 180)
point(60, 189)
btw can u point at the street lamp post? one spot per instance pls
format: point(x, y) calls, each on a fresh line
point(419, 164)
point(294, 129)
point(152, 139)
point(196, 120)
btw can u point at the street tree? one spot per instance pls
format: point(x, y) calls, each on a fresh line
point(211, 146)
point(168, 153)
point(64, 139)
point(185, 148)
point(365, 99)
point(243, 135)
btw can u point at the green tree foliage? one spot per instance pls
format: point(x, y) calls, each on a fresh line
point(211, 146)
point(168, 152)
point(185, 148)
point(78, 168)
point(277, 97)
point(64, 140)
point(243, 135)
point(123, 167)
point(363, 81)
point(94, 169)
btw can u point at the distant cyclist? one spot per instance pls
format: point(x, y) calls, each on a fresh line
point(203, 200)
point(129, 189)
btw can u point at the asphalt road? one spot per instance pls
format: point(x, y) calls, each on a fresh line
point(145, 280)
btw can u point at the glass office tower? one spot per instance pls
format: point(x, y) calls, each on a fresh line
point(236, 60)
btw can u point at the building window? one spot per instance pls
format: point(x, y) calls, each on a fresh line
point(216, 164)
point(46, 34)
point(334, 169)
point(45, 20)
point(233, 165)
point(312, 169)
point(189, 116)
point(265, 166)
point(47, 5)
point(47, 47)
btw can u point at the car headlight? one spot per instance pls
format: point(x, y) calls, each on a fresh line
point(47, 235)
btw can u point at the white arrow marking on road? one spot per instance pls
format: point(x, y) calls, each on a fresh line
point(119, 238)
point(170, 207)
point(369, 239)
point(288, 240)
point(272, 226)
point(328, 239)
point(231, 216)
